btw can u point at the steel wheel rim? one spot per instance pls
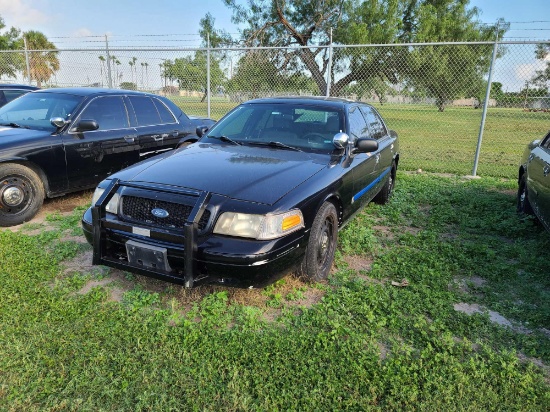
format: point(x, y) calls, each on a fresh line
point(15, 194)
point(325, 242)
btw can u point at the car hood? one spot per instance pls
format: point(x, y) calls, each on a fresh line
point(250, 173)
point(16, 135)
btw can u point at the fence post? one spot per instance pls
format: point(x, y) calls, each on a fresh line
point(27, 59)
point(485, 105)
point(329, 67)
point(109, 80)
point(208, 73)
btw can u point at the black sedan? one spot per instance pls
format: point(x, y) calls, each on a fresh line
point(534, 181)
point(9, 92)
point(62, 140)
point(263, 193)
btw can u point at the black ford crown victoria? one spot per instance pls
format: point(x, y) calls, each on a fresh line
point(262, 193)
point(58, 141)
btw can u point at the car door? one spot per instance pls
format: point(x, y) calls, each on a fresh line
point(378, 131)
point(363, 164)
point(538, 180)
point(93, 155)
point(156, 126)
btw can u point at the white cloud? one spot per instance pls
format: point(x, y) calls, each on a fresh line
point(527, 71)
point(82, 32)
point(20, 14)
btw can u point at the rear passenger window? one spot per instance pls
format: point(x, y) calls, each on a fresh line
point(376, 126)
point(165, 114)
point(146, 112)
point(14, 94)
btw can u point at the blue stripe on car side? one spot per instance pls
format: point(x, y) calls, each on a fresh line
point(369, 187)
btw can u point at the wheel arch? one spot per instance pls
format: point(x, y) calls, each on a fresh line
point(32, 166)
point(337, 202)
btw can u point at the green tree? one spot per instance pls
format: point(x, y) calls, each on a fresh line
point(308, 24)
point(43, 61)
point(128, 85)
point(447, 72)
point(190, 71)
point(541, 79)
point(10, 63)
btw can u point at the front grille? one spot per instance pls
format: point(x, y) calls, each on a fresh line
point(138, 209)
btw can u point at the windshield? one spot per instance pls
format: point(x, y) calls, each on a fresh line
point(305, 127)
point(34, 110)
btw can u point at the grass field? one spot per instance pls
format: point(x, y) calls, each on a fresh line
point(388, 331)
point(443, 142)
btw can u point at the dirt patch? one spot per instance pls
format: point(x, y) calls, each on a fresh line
point(358, 263)
point(463, 284)
point(92, 284)
point(494, 317)
point(63, 205)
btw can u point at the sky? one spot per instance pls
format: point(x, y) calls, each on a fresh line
point(64, 21)
point(175, 23)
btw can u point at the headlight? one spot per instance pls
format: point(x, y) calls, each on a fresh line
point(261, 227)
point(112, 206)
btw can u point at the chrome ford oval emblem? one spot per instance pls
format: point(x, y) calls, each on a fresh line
point(160, 213)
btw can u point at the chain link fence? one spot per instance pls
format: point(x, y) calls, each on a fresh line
point(458, 108)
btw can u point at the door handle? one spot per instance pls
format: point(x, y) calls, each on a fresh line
point(130, 138)
point(157, 138)
point(546, 170)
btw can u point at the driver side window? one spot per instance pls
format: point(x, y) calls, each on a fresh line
point(357, 124)
point(109, 113)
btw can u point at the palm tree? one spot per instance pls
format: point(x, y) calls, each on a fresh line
point(102, 63)
point(134, 60)
point(117, 62)
point(131, 63)
point(146, 75)
point(43, 61)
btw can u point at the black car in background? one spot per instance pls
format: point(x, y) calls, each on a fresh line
point(62, 140)
point(534, 181)
point(9, 92)
point(263, 193)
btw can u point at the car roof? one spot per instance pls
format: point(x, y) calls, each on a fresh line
point(334, 102)
point(17, 86)
point(91, 91)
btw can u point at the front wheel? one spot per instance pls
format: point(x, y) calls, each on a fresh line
point(523, 206)
point(321, 246)
point(21, 194)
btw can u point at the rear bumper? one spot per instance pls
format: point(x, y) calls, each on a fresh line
point(192, 259)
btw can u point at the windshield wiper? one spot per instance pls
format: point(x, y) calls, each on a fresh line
point(226, 139)
point(18, 126)
point(275, 144)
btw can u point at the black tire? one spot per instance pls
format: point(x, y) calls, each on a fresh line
point(385, 193)
point(523, 206)
point(321, 246)
point(21, 194)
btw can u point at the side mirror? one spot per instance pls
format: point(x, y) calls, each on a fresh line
point(201, 130)
point(86, 126)
point(365, 145)
point(58, 122)
point(340, 140)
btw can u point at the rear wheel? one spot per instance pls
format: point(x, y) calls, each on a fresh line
point(385, 193)
point(523, 205)
point(21, 194)
point(321, 246)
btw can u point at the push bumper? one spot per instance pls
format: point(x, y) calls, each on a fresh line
point(186, 256)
